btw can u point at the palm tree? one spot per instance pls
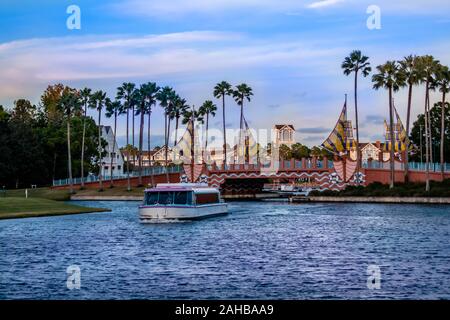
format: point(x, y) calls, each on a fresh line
point(98, 100)
point(179, 108)
point(428, 66)
point(70, 103)
point(146, 99)
point(113, 108)
point(207, 108)
point(190, 114)
point(410, 68)
point(127, 92)
point(165, 96)
point(389, 77)
point(221, 90)
point(442, 83)
point(85, 96)
point(356, 62)
point(242, 93)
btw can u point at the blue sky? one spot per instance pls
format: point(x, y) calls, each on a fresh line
point(288, 51)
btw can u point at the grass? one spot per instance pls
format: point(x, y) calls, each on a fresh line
point(46, 193)
point(12, 208)
point(437, 189)
point(115, 191)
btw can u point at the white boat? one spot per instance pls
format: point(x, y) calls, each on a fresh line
point(181, 201)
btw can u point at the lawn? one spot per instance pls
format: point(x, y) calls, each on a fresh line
point(46, 193)
point(12, 207)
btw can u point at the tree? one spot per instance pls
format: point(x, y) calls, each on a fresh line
point(165, 97)
point(389, 77)
point(221, 90)
point(429, 66)
point(442, 83)
point(127, 92)
point(146, 99)
point(180, 106)
point(70, 103)
point(418, 134)
point(285, 152)
point(207, 108)
point(410, 67)
point(98, 100)
point(113, 109)
point(243, 92)
point(356, 62)
point(300, 151)
point(85, 96)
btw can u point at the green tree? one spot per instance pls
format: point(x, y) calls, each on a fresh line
point(355, 63)
point(389, 77)
point(98, 100)
point(429, 66)
point(113, 109)
point(128, 93)
point(70, 104)
point(442, 83)
point(85, 96)
point(221, 90)
point(206, 109)
point(410, 67)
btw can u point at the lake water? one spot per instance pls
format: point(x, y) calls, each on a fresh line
point(261, 250)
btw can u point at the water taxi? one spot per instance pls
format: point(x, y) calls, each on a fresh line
point(181, 201)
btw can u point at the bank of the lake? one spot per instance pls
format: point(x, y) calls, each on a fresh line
point(14, 207)
point(398, 200)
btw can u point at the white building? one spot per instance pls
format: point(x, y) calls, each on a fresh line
point(117, 160)
point(284, 134)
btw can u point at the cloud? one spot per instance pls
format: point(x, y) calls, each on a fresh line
point(374, 119)
point(323, 3)
point(314, 130)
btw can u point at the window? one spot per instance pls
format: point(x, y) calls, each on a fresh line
point(119, 167)
point(206, 198)
point(151, 198)
point(182, 197)
point(165, 198)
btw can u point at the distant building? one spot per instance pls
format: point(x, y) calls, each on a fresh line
point(284, 134)
point(373, 151)
point(117, 160)
point(155, 157)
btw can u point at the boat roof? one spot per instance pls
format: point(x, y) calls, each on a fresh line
point(195, 187)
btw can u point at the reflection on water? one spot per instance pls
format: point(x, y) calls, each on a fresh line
point(261, 250)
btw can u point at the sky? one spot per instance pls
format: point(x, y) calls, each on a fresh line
point(288, 51)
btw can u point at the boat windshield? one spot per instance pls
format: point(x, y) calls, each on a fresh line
point(168, 198)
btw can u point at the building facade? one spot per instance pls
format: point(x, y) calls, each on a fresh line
point(112, 152)
point(284, 134)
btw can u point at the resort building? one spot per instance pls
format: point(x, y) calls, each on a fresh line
point(117, 160)
point(284, 134)
point(155, 157)
point(371, 151)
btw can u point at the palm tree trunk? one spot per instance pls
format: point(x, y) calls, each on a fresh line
point(391, 133)
point(206, 139)
point(442, 134)
point(430, 132)
point(82, 147)
point(408, 116)
point(427, 153)
point(241, 125)
point(132, 136)
point(149, 148)
point(176, 131)
point(111, 182)
point(69, 155)
point(100, 150)
point(128, 154)
point(167, 128)
point(224, 132)
point(358, 157)
point(141, 137)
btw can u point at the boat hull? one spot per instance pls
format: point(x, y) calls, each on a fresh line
point(182, 212)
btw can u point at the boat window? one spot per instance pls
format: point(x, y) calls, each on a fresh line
point(206, 198)
point(151, 198)
point(180, 197)
point(165, 198)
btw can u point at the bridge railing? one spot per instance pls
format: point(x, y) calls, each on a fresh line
point(413, 166)
point(148, 171)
